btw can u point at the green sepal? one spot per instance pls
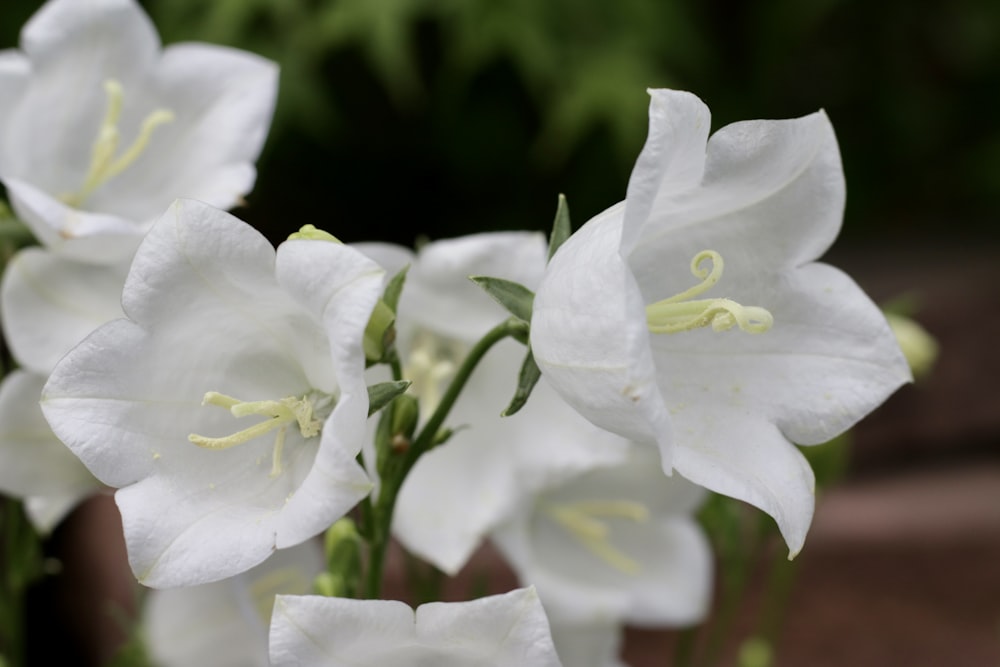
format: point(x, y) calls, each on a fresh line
point(561, 227)
point(526, 381)
point(394, 288)
point(379, 333)
point(515, 297)
point(342, 546)
point(381, 394)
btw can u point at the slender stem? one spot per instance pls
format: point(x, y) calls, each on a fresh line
point(383, 509)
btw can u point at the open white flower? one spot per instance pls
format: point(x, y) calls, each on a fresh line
point(458, 492)
point(100, 128)
point(723, 369)
point(226, 623)
point(615, 544)
point(499, 631)
point(230, 406)
point(37, 467)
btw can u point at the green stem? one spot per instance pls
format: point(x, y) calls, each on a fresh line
point(384, 507)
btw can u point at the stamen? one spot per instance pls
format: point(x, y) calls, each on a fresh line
point(103, 163)
point(429, 366)
point(679, 313)
point(583, 520)
point(279, 415)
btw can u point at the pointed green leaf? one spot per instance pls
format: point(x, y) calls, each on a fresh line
point(515, 297)
point(381, 394)
point(561, 228)
point(525, 383)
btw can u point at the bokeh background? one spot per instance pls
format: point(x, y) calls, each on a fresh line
point(439, 117)
point(402, 119)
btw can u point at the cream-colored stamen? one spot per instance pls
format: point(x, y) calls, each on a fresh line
point(103, 163)
point(583, 520)
point(682, 312)
point(280, 414)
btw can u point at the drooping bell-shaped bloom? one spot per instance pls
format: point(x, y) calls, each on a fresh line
point(229, 407)
point(100, 128)
point(694, 315)
point(225, 623)
point(507, 630)
point(458, 492)
point(615, 544)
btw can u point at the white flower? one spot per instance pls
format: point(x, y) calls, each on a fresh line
point(796, 352)
point(225, 623)
point(458, 492)
point(595, 644)
point(230, 406)
point(100, 128)
point(36, 466)
point(615, 544)
point(48, 305)
point(499, 631)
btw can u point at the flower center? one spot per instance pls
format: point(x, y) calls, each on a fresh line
point(584, 520)
point(280, 414)
point(283, 581)
point(105, 163)
point(430, 365)
point(682, 312)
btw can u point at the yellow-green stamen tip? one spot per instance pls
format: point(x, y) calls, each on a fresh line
point(583, 520)
point(682, 312)
point(279, 415)
point(103, 163)
point(311, 233)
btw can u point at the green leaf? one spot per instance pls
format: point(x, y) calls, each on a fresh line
point(526, 381)
point(515, 297)
point(394, 288)
point(561, 228)
point(381, 394)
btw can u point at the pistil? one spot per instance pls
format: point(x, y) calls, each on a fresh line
point(682, 312)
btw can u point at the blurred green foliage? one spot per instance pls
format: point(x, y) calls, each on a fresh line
point(405, 117)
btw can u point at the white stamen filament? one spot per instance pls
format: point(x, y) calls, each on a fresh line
point(103, 163)
point(280, 414)
point(583, 520)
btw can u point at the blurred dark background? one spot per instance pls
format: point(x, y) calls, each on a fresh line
point(398, 118)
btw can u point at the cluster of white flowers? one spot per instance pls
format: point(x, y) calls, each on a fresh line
point(222, 386)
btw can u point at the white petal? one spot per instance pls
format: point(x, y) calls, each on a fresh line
point(673, 580)
point(223, 100)
point(210, 315)
point(96, 238)
point(74, 47)
point(392, 258)
point(439, 296)
point(499, 631)
point(772, 198)
point(35, 462)
point(46, 512)
point(225, 624)
point(747, 458)
point(459, 492)
point(49, 304)
point(673, 159)
point(508, 630)
point(589, 335)
point(589, 645)
point(829, 359)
